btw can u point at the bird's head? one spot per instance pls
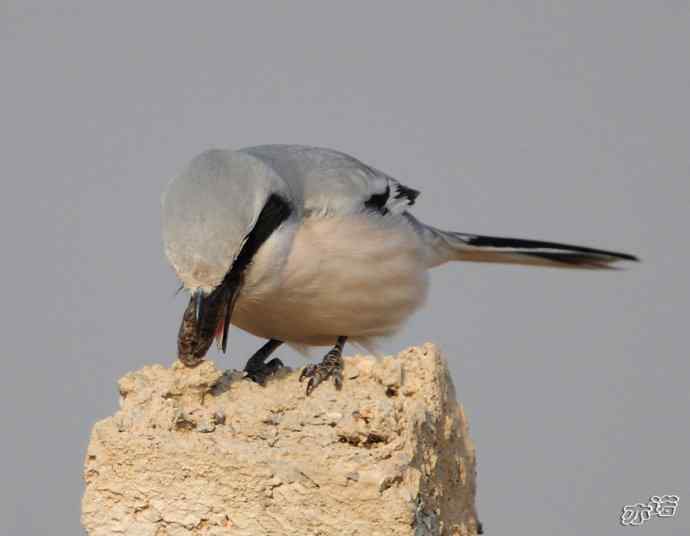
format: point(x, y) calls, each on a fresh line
point(215, 216)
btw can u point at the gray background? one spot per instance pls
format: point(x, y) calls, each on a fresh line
point(565, 121)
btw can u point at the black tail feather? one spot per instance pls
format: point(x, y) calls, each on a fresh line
point(559, 252)
point(443, 246)
point(521, 251)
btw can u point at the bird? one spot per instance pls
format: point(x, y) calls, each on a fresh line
point(309, 246)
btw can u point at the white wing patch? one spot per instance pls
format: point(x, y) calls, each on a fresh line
point(392, 196)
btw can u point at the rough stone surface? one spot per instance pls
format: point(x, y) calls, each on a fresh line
point(198, 451)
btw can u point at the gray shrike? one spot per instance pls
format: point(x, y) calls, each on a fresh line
point(311, 247)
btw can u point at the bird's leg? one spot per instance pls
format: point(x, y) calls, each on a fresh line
point(259, 371)
point(331, 365)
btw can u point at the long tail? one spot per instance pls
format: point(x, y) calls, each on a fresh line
point(444, 246)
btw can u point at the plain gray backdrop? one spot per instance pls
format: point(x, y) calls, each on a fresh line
point(563, 121)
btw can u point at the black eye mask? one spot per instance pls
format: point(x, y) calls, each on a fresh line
point(207, 317)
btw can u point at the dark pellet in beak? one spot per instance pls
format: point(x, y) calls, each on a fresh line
point(206, 317)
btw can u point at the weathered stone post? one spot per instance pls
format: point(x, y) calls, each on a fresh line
point(197, 451)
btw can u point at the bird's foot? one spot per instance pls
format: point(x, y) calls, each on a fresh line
point(331, 366)
point(260, 372)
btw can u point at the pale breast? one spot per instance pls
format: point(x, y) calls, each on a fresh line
point(358, 275)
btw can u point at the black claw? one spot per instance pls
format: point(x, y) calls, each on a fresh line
point(330, 366)
point(313, 382)
point(307, 372)
point(260, 374)
point(256, 369)
point(338, 379)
